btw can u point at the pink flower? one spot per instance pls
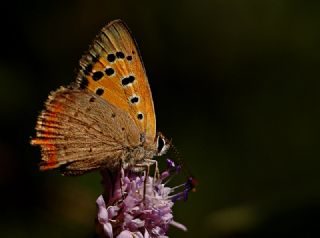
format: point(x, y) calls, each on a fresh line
point(132, 207)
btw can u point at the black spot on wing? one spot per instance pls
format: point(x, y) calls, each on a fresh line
point(140, 116)
point(109, 71)
point(134, 100)
point(111, 57)
point(99, 91)
point(97, 75)
point(127, 80)
point(120, 55)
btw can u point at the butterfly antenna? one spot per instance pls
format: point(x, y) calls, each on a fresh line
point(192, 181)
point(180, 160)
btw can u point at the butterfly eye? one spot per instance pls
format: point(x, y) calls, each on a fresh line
point(162, 145)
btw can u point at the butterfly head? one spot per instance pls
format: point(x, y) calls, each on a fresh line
point(163, 144)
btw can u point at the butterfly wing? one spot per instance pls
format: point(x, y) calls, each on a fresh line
point(79, 131)
point(108, 112)
point(113, 69)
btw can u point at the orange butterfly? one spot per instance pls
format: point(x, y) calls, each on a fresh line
point(106, 118)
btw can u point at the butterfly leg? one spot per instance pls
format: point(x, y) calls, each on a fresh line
point(156, 170)
point(121, 179)
point(146, 168)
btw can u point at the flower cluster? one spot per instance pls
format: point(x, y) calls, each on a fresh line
point(139, 206)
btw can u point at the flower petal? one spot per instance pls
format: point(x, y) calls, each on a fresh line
point(135, 217)
point(138, 222)
point(178, 225)
point(125, 234)
point(108, 229)
point(103, 215)
point(112, 211)
point(100, 201)
point(137, 234)
point(146, 234)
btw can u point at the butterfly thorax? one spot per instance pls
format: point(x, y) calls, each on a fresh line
point(138, 155)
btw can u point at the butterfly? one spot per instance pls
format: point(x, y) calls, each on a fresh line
point(106, 118)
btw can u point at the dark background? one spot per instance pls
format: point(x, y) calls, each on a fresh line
point(235, 84)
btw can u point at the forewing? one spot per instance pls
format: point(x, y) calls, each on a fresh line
point(78, 131)
point(113, 69)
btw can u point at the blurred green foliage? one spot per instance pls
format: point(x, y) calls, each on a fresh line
point(235, 84)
